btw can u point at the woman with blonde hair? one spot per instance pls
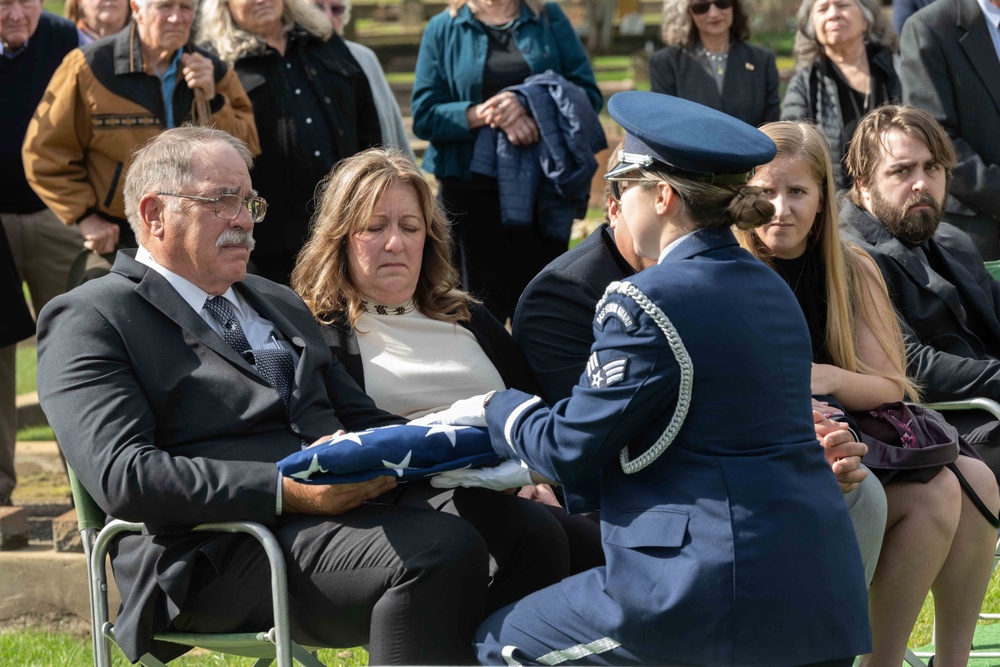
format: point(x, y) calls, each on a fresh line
point(933, 533)
point(311, 101)
point(708, 60)
point(377, 272)
point(844, 68)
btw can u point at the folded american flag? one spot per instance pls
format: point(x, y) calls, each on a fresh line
point(405, 450)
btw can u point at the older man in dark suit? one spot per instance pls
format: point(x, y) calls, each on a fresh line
point(951, 68)
point(169, 419)
point(901, 160)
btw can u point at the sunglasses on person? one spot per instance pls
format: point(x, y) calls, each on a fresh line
point(337, 10)
point(700, 8)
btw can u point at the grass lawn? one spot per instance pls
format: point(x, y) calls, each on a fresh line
point(40, 648)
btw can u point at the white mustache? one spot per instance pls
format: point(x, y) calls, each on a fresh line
point(238, 237)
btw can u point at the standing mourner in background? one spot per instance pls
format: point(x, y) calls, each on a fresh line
point(390, 118)
point(904, 9)
point(844, 69)
point(312, 104)
point(951, 68)
point(32, 45)
point(96, 19)
point(468, 55)
point(109, 98)
point(708, 60)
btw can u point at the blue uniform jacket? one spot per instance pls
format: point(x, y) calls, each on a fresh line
point(734, 546)
point(552, 175)
point(449, 77)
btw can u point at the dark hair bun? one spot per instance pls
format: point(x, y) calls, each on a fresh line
point(750, 207)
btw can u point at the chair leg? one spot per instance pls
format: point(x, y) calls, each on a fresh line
point(150, 660)
point(304, 657)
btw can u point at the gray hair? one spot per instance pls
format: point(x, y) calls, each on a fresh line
point(164, 163)
point(807, 47)
point(347, 12)
point(678, 29)
point(230, 42)
point(536, 6)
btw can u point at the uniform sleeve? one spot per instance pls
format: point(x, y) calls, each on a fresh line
point(632, 380)
point(438, 115)
point(573, 57)
point(928, 84)
point(54, 150)
point(235, 114)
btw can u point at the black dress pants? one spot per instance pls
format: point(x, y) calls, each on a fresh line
point(495, 263)
point(411, 583)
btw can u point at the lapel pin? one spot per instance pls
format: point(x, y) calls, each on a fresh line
point(749, 66)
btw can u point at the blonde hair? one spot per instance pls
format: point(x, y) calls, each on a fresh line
point(349, 195)
point(807, 48)
point(217, 27)
point(536, 6)
point(677, 26)
point(847, 280)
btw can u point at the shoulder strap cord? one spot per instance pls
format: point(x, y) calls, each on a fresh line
point(686, 381)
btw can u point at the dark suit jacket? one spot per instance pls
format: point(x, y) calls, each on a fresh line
point(950, 68)
point(553, 323)
point(946, 356)
point(164, 423)
point(749, 90)
point(17, 323)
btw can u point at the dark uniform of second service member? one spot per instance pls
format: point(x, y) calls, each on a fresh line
point(726, 537)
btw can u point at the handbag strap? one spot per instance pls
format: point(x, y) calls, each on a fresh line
point(970, 492)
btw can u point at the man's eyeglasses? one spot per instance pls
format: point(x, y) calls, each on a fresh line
point(700, 8)
point(228, 207)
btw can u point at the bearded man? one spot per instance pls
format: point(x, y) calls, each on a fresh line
point(901, 160)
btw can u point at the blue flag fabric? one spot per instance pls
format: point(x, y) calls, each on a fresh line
point(404, 450)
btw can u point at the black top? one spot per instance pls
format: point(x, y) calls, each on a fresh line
point(505, 66)
point(806, 276)
point(28, 74)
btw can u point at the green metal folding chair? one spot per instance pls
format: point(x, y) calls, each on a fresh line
point(267, 646)
point(993, 407)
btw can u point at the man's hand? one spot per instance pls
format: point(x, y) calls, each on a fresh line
point(99, 236)
point(330, 499)
point(842, 452)
point(539, 493)
point(199, 73)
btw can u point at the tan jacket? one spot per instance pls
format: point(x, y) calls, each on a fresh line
point(102, 104)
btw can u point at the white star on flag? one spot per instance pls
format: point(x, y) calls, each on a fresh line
point(314, 467)
point(399, 467)
point(353, 437)
point(447, 429)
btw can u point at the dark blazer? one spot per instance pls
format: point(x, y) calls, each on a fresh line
point(491, 335)
point(948, 358)
point(749, 90)
point(164, 423)
point(553, 323)
point(736, 538)
point(950, 68)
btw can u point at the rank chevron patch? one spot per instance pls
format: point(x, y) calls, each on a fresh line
point(605, 375)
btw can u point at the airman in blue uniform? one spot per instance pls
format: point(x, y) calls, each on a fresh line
point(727, 537)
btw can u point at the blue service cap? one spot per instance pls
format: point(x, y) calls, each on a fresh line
point(678, 136)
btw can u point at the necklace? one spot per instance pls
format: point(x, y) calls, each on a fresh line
point(716, 61)
point(501, 27)
point(379, 309)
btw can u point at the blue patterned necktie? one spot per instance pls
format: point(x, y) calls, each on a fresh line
point(274, 365)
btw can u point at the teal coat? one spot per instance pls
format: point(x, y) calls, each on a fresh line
point(449, 77)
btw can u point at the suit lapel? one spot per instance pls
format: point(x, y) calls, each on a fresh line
point(978, 47)
point(973, 297)
point(733, 85)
